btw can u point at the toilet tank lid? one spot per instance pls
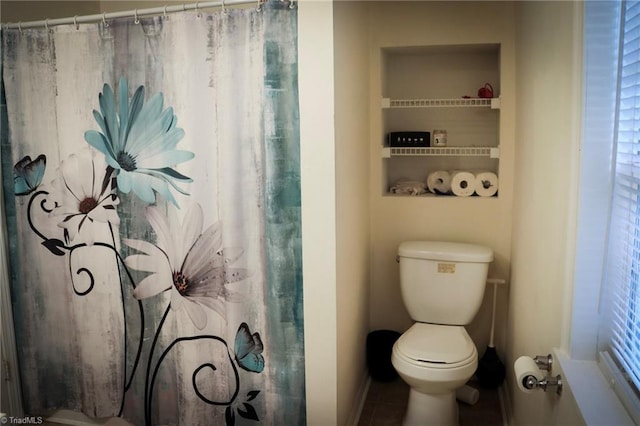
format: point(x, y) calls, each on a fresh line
point(441, 250)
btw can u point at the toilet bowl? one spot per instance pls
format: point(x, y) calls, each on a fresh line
point(442, 287)
point(434, 360)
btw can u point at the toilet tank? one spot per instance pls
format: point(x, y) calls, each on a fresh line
point(443, 282)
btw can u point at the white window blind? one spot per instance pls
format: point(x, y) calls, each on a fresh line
point(601, 40)
point(623, 264)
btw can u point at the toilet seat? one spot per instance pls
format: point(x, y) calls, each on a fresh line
point(436, 346)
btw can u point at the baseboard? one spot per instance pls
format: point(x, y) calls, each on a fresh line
point(505, 406)
point(354, 418)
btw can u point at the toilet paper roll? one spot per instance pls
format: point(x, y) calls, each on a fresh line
point(486, 184)
point(524, 367)
point(463, 183)
point(467, 394)
point(439, 182)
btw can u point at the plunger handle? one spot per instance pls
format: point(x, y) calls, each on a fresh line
point(495, 282)
point(493, 315)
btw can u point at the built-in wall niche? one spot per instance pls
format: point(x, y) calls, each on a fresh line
point(431, 88)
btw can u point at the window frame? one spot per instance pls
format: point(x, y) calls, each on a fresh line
point(589, 336)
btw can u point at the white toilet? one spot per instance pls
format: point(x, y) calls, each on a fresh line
point(442, 287)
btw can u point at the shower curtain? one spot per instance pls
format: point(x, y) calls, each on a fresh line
point(152, 193)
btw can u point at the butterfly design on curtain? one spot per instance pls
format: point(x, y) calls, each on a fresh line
point(27, 174)
point(249, 350)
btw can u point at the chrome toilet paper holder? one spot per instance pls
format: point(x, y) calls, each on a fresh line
point(531, 382)
point(544, 362)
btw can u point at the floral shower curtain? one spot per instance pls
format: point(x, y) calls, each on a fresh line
point(151, 179)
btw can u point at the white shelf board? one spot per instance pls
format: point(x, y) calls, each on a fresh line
point(450, 151)
point(493, 103)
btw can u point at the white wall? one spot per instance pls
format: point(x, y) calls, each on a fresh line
point(547, 143)
point(476, 220)
point(317, 156)
point(351, 51)
point(16, 10)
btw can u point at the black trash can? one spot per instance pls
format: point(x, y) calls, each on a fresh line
point(379, 348)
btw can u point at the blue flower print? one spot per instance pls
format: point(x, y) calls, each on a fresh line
point(139, 142)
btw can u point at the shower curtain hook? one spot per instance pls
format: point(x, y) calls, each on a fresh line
point(20, 27)
point(198, 14)
point(46, 24)
point(136, 20)
point(104, 19)
point(224, 8)
point(166, 17)
point(75, 22)
point(259, 8)
point(292, 4)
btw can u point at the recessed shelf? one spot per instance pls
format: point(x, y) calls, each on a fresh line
point(458, 151)
point(422, 90)
point(493, 103)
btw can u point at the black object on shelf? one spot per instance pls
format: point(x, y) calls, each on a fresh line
point(379, 348)
point(409, 139)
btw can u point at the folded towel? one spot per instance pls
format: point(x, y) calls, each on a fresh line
point(409, 187)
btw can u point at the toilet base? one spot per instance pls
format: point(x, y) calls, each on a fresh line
point(431, 409)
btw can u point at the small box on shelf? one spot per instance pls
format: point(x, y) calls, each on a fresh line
point(408, 139)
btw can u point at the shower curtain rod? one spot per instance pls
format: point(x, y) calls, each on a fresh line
point(76, 20)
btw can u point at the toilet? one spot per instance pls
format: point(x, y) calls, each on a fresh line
point(442, 285)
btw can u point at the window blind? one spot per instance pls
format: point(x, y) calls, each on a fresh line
point(623, 264)
point(601, 40)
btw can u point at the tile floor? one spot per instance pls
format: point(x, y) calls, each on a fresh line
point(386, 403)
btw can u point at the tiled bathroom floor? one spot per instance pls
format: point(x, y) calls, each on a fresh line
point(386, 403)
